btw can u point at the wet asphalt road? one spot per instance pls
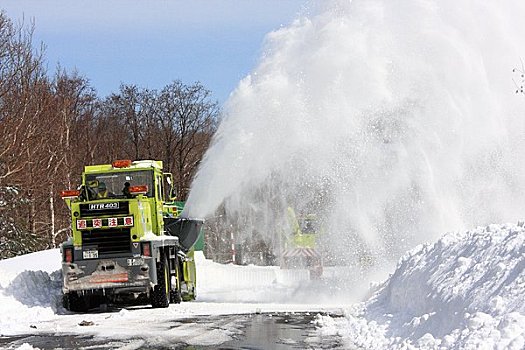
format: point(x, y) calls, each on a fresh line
point(279, 331)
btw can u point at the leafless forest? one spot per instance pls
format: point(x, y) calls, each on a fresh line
point(52, 123)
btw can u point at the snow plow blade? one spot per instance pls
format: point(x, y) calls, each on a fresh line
point(187, 230)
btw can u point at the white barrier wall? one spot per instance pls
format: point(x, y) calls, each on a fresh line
point(245, 283)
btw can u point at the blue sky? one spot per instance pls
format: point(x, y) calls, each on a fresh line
point(152, 42)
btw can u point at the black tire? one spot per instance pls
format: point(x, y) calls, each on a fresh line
point(75, 302)
point(190, 295)
point(160, 295)
point(175, 295)
point(193, 295)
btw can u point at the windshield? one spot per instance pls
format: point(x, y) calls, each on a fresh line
point(308, 225)
point(112, 185)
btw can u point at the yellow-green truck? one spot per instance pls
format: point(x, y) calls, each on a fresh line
point(300, 248)
point(128, 243)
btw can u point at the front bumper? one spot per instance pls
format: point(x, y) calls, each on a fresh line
point(113, 275)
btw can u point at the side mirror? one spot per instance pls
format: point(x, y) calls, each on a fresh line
point(172, 193)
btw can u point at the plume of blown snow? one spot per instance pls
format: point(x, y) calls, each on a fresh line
point(393, 121)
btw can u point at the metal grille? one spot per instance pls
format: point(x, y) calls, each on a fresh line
point(107, 242)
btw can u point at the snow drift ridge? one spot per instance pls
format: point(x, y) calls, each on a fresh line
point(463, 292)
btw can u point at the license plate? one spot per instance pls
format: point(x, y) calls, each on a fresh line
point(135, 262)
point(90, 254)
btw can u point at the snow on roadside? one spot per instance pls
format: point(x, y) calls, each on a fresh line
point(467, 291)
point(30, 298)
point(29, 290)
point(46, 261)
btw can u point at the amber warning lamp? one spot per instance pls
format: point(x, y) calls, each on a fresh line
point(142, 189)
point(69, 194)
point(122, 163)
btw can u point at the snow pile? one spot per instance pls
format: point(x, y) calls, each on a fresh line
point(46, 261)
point(37, 288)
point(30, 290)
point(464, 292)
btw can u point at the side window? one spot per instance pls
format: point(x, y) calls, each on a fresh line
point(166, 187)
point(159, 188)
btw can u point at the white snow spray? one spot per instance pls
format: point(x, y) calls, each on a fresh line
point(393, 121)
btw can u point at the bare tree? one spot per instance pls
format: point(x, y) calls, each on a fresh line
point(50, 127)
point(187, 119)
point(174, 125)
point(24, 95)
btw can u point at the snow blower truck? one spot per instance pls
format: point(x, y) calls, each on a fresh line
point(300, 249)
point(128, 245)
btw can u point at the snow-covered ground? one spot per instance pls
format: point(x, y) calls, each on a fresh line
point(30, 303)
point(466, 291)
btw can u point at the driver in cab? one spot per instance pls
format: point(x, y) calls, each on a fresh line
point(103, 191)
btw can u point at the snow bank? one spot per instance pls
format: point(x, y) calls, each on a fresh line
point(33, 280)
point(467, 291)
point(247, 284)
point(47, 261)
point(271, 284)
point(29, 290)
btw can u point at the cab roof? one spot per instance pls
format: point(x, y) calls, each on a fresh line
point(136, 165)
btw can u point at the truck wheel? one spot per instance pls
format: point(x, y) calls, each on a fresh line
point(190, 295)
point(175, 295)
point(160, 297)
point(75, 302)
point(194, 292)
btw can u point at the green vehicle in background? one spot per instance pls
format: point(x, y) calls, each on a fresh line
point(129, 245)
point(300, 247)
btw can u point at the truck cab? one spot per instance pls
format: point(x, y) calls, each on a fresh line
point(128, 243)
